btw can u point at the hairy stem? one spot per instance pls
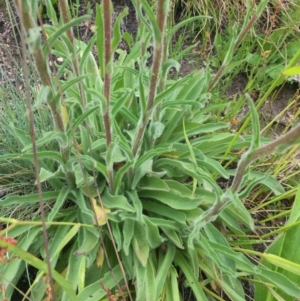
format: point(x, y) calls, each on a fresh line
point(34, 38)
point(107, 80)
point(283, 142)
point(107, 61)
point(65, 12)
point(161, 17)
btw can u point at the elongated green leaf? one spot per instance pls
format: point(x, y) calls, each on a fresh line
point(169, 90)
point(84, 137)
point(153, 234)
point(113, 155)
point(261, 178)
point(62, 237)
point(45, 95)
point(152, 153)
point(21, 135)
point(142, 96)
point(215, 166)
point(99, 144)
point(241, 261)
point(63, 28)
point(118, 202)
point(29, 156)
point(121, 101)
point(264, 274)
point(117, 31)
point(213, 234)
point(40, 265)
point(288, 289)
point(117, 235)
point(121, 173)
point(140, 274)
point(128, 232)
point(164, 268)
point(46, 175)
point(193, 86)
point(255, 124)
point(94, 291)
point(187, 169)
point(173, 293)
point(137, 204)
point(295, 212)
point(173, 30)
point(170, 64)
point(191, 279)
point(92, 164)
point(82, 117)
point(165, 211)
point(239, 208)
point(282, 256)
point(191, 153)
point(141, 171)
point(172, 199)
point(29, 199)
point(162, 222)
point(173, 236)
point(47, 137)
point(208, 251)
point(193, 128)
point(149, 13)
point(282, 263)
point(90, 240)
point(140, 243)
point(150, 283)
point(68, 85)
point(291, 71)
point(73, 275)
point(51, 13)
point(153, 183)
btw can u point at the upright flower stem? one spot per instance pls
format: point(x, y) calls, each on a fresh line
point(65, 13)
point(107, 75)
point(31, 30)
point(161, 17)
point(107, 80)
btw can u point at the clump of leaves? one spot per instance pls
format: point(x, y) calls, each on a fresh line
point(132, 169)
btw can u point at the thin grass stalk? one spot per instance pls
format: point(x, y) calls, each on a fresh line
point(161, 17)
point(34, 147)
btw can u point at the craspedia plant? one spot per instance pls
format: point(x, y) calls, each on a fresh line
point(131, 174)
